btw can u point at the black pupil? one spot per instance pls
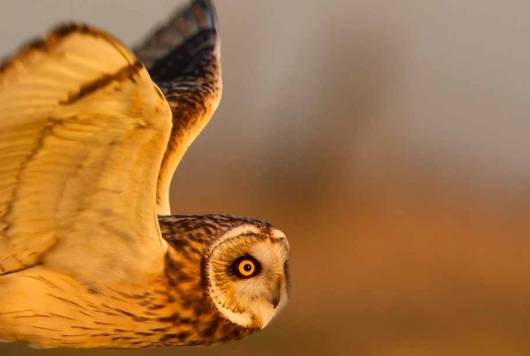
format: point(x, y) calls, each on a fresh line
point(247, 266)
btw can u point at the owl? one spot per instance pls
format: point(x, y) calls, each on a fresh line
point(90, 256)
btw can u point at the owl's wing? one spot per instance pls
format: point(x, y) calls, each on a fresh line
point(83, 130)
point(183, 58)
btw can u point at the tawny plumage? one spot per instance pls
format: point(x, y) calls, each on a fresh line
point(89, 253)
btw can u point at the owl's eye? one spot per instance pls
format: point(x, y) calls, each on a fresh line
point(246, 267)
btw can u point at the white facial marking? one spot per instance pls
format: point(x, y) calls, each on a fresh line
point(277, 234)
point(242, 319)
point(240, 230)
point(265, 312)
point(249, 302)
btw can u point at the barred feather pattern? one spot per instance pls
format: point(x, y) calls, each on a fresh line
point(173, 309)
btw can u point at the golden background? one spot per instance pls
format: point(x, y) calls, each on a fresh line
point(389, 141)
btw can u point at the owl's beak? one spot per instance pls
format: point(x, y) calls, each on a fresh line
point(276, 300)
point(277, 294)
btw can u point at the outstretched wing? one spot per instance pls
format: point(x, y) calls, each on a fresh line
point(83, 130)
point(183, 58)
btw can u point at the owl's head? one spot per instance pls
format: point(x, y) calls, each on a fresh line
point(246, 272)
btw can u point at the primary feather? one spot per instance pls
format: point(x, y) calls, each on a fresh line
point(183, 58)
point(83, 130)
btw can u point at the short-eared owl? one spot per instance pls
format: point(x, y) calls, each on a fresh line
point(90, 135)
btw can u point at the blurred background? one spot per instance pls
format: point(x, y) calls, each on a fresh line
point(389, 140)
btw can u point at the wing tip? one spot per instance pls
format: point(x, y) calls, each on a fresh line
point(196, 18)
point(21, 52)
point(54, 36)
point(40, 43)
point(209, 11)
point(67, 28)
point(198, 15)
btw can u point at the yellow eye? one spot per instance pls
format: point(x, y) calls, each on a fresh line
point(246, 267)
